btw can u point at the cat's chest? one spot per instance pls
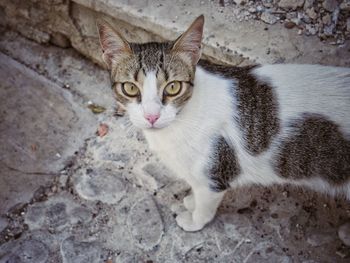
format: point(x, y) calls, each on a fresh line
point(168, 146)
point(162, 145)
point(178, 150)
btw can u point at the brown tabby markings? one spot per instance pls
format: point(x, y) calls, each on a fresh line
point(225, 167)
point(120, 97)
point(181, 101)
point(257, 106)
point(317, 149)
point(159, 58)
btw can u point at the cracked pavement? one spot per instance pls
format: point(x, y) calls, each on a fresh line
point(68, 195)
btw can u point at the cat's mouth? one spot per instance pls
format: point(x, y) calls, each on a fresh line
point(156, 127)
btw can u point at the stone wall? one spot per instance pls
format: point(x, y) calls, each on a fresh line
point(228, 39)
point(64, 23)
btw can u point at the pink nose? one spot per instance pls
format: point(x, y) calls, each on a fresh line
point(152, 118)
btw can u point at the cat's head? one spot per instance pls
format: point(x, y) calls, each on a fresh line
point(152, 81)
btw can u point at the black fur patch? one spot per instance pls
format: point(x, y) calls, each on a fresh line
point(257, 106)
point(225, 167)
point(316, 149)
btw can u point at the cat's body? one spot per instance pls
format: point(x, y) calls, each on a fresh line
point(191, 138)
point(236, 126)
point(316, 101)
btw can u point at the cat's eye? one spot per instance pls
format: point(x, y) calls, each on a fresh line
point(173, 88)
point(130, 89)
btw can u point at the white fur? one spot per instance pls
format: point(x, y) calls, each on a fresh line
point(151, 105)
point(313, 89)
point(310, 88)
point(185, 145)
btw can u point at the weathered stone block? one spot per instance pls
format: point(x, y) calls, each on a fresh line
point(145, 224)
point(29, 251)
point(74, 251)
point(101, 185)
point(60, 40)
point(56, 214)
point(40, 121)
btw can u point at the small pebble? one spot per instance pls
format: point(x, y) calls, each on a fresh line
point(285, 193)
point(342, 252)
point(268, 18)
point(102, 130)
point(63, 172)
point(252, 10)
point(344, 233)
point(289, 24)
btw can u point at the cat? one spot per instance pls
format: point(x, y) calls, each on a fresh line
point(220, 127)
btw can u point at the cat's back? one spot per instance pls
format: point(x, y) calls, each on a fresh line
point(309, 89)
point(272, 96)
point(314, 122)
point(299, 115)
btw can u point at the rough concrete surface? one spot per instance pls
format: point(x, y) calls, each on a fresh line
point(233, 34)
point(108, 199)
point(227, 39)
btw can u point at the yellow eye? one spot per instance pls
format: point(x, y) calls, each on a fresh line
point(173, 88)
point(130, 89)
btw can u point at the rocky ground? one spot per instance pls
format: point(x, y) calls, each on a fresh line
point(71, 195)
point(328, 19)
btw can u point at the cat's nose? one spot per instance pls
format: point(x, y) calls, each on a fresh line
point(152, 118)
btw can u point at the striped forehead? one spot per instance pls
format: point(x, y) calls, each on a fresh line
point(152, 58)
point(157, 57)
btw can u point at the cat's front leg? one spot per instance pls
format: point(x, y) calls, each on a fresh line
point(206, 202)
point(189, 202)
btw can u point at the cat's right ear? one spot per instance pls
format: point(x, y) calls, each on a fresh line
point(114, 46)
point(189, 44)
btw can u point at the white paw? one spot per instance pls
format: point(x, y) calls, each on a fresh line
point(185, 221)
point(189, 202)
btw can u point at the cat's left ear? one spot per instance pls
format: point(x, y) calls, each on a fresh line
point(114, 46)
point(189, 43)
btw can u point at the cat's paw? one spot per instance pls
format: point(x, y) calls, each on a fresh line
point(185, 221)
point(189, 202)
